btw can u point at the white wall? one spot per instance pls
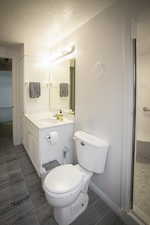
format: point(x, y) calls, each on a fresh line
point(102, 90)
point(6, 96)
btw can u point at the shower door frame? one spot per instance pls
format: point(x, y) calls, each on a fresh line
point(134, 50)
point(128, 157)
point(130, 208)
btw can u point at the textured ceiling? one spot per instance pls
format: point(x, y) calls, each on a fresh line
point(44, 21)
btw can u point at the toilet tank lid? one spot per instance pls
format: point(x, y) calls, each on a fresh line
point(90, 139)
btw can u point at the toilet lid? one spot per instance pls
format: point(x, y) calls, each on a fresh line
point(63, 179)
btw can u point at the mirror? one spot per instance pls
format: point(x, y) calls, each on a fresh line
point(62, 91)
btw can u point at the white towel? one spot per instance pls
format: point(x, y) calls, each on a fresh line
point(34, 89)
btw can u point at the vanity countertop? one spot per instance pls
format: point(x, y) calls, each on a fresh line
point(47, 120)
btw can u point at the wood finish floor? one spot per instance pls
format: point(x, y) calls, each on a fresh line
point(6, 129)
point(22, 200)
point(142, 181)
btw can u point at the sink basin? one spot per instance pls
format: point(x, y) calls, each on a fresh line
point(49, 120)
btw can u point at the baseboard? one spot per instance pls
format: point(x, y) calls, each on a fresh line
point(106, 199)
point(127, 217)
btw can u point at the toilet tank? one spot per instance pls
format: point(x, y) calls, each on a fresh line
point(91, 151)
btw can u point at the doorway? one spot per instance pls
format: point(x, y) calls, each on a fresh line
point(6, 125)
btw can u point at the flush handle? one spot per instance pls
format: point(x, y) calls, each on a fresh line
point(82, 143)
point(146, 109)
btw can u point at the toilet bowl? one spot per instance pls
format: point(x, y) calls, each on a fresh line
point(66, 186)
point(66, 190)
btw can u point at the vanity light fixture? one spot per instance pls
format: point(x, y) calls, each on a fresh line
point(62, 53)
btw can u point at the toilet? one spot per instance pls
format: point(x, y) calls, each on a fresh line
point(66, 186)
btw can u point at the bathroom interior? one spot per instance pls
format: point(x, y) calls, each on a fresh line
point(74, 112)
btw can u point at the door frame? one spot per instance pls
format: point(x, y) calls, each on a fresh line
point(135, 59)
point(12, 53)
point(127, 183)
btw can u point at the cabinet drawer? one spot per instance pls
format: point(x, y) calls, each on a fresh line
point(31, 127)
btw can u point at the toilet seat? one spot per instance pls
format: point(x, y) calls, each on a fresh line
point(63, 185)
point(63, 179)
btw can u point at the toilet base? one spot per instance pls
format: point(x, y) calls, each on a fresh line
point(66, 215)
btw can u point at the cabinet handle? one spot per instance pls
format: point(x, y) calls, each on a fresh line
point(48, 137)
point(82, 143)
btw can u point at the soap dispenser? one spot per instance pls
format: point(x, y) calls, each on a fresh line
point(60, 115)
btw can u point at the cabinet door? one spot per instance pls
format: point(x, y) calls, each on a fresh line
point(25, 138)
point(35, 154)
point(30, 144)
point(33, 151)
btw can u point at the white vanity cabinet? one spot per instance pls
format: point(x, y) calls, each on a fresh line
point(62, 151)
point(31, 142)
point(39, 147)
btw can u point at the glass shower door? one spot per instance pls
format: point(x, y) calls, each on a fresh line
point(141, 182)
